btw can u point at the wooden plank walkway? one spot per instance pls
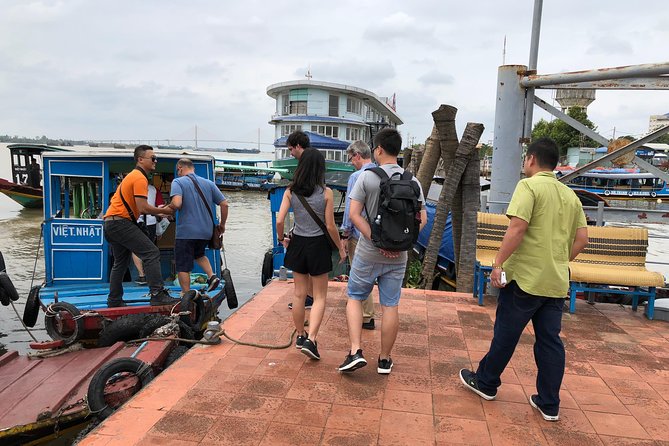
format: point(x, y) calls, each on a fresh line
point(615, 391)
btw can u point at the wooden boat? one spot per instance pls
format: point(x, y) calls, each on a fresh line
point(24, 187)
point(44, 396)
point(251, 151)
point(78, 262)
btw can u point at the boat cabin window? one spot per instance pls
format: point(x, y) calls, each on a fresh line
point(76, 197)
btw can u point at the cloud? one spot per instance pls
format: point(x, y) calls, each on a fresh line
point(400, 27)
point(434, 77)
point(608, 44)
point(364, 73)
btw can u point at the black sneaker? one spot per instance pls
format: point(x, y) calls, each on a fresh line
point(385, 366)
point(299, 341)
point(308, 303)
point(468, 378)
point(368, 325)
point(141, 280)
point(352, 362)
point(213, 283)
point(163, 297)
point(116, 303)
point(310, 349)
point(545, 415)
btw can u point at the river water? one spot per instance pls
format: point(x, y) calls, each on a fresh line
point(248, 235)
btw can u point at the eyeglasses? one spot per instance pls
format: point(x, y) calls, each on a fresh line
point(350, 157)
point(154, 158)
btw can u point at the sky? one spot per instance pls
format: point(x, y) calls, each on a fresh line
point(156, 69)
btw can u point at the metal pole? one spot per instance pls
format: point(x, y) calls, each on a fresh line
point(644, 70)
point(507, 149)
point(532, 67)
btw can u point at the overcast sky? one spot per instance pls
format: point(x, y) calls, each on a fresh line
point(86, 69)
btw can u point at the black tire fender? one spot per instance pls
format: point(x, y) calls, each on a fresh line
point(267, 267)
point(96, 389)
point(192, 302)
point(158, 320)
point(2, 263)
point(8, 286)
point(54, 327)
point(176, 353)
point(31, 310)
point(125, 328)
point(4, 297)
point(230, 293)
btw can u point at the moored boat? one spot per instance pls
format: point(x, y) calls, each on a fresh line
point(619, 183)
point(244, 174)
point(25, 186)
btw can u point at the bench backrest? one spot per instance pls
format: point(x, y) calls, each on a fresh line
point(490, 230)
point(615, 246)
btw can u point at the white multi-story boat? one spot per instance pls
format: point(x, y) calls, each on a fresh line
point(333, 115)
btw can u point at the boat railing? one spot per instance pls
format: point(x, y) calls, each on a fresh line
point(600, 214)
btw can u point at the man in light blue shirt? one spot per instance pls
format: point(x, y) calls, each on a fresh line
point(360, 156)
point(195, 225)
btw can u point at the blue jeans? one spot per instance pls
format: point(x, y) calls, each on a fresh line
point(515, 308)
point(125, 238)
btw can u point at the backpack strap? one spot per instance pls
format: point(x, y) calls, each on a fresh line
point(204, 200)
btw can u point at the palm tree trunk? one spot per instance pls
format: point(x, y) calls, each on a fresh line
point(406, 161)
point(471, 201)
point(452, 180)
point(444, 120)
point(429, 162)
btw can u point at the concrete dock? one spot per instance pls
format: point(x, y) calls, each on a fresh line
point(615, 391)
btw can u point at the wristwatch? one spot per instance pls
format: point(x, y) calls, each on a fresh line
point(496, 266)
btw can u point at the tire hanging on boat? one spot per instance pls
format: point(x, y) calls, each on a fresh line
point(230, 293)
point(125, 328)
point(155, 321)
point(192, 302)
point(8, 286)
point(31, 310)
point(2, 263)
point(54, 323)
point(176, 353)
point(97, 403)
point(4, 297)
point(267, 268)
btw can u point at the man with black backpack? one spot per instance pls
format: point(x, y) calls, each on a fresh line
point(393, 200)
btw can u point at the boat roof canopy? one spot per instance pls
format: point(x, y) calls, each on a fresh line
point(121, 153)
point(317, 142)
point(35, 149)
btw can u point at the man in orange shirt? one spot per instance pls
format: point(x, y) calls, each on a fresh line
point(126, 238)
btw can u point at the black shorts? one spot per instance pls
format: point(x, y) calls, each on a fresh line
point(309, 255)
point(186, 251)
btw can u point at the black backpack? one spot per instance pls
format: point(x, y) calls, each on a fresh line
point(397, 222)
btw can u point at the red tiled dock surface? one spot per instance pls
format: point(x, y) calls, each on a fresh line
point(615, 391)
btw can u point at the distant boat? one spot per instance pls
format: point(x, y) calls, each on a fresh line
point(618, 183)
point(19, 188)
point(242, 150)
point(244, 174)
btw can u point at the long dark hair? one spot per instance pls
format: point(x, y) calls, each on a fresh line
point(310, 173)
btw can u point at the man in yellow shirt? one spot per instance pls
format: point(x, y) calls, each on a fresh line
point(547, 229)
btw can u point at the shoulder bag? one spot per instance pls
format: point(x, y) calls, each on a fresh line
point(318, 221)
point(216, 241)
point(140, 224)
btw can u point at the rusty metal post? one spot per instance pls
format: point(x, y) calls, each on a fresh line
point(507, 148)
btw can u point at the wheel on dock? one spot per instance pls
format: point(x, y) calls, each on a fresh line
point(114, 383)
point(63, 322)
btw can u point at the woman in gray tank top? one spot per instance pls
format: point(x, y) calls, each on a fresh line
point(308, 252)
